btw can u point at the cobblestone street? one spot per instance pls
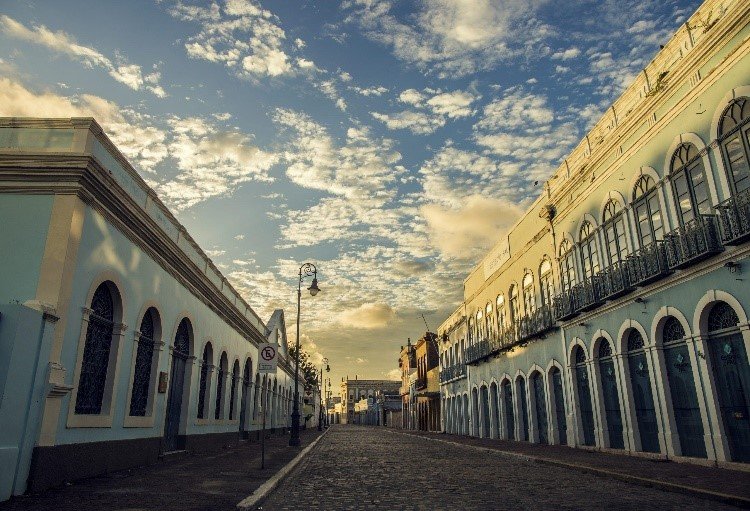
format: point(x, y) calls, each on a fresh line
point(363, 468)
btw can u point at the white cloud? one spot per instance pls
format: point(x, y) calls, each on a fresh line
point(568, 54)
point(452, 37)
point(369, 91)
point(60, 42)
point(367, 316)
point(432, 109)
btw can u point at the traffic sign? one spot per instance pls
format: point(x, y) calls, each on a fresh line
point(268, 357)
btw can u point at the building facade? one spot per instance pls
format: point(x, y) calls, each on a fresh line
point(407, 363)
point(427, 384)
point(352, 391)
point(119, 338)
point(614, 314)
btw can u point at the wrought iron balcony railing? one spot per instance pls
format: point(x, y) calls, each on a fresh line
point(734, 219)
point(420, 384)
point(563, 307)
point(649, 264)
point(452, 372)
point(536, 323)
point(615, 280)
point(477, 351)
point(693, 242)
point(586, 294)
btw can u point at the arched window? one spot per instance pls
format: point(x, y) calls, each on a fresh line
point(734, 130)
point(529, 304)
point(488, 319)
point(514, 305)
point(96, 352)
point(470, 331)
point(203, 385)
point(567, 266)
point(611, 401)
point(478, 325)
point(545, 282)
point(233, 390)
point(689, 183)
point(647, 211)
point(221, 386)
point(614, 232)
point(501, 323)
point(143, 363)
point(589, 254)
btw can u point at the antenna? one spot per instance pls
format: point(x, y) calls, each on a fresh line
point(425, 322)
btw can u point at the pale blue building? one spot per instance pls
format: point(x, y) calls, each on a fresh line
point(119, 339)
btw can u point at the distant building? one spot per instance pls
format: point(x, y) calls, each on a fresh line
point(352, 391)
point(407, 363)
point(614, 314)
point(427, 384)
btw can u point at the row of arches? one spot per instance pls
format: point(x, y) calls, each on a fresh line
point(685, 195)
point(674, 390)
point(225, 392)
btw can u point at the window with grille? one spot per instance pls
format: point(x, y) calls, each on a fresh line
point(589, 253)
point(647, 211)
point(567, 265)
point(143, 365)
point(614, 232)
point(689, 186)
point(734, 132)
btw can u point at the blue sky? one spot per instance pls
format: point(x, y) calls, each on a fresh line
point(391, 143)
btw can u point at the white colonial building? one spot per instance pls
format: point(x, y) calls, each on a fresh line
point(119, 339)
point(614, 314)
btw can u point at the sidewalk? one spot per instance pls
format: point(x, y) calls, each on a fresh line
point(215, 481)
point(730, 486)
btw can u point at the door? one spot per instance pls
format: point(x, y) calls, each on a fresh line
point(611, 404)
point(584, 402)
point(243, 405)
point(510, 423)
point(685, 407)
point(732, 377)
point(174, 402)
point(643, 399)
point(541, 408)
point(559, 406)
point(524, 423)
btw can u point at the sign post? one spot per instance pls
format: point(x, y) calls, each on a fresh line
point(267, 363)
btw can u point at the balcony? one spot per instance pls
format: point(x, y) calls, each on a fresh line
point(536, 323)
point(420, 383)
point(586, 294)
point(563, 306)
point(734, 219)
point(693, 242)
point(649, 264)
point(452, 372)
point(615, 280)
point(478, 351)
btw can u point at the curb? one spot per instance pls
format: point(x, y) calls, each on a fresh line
point(724, 498)
point(250, 502)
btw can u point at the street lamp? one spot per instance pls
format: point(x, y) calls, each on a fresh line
point(324, 363)
point(306, 270)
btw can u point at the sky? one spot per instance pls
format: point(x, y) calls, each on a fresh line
point(391, 143)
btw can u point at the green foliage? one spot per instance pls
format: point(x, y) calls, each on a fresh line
point(307, 369)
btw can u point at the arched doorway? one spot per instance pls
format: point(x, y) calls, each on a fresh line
point(611, 397)
point(540, 406)
point(495, 410)
point(732, 378)
point(246, 383)
point(559, 399)
point(474, 412)
point(684, 397)
point(180, 354)
point(643, 398)
point(510, 423)
point(584, 396)
point(523, 407)
point(485, 412)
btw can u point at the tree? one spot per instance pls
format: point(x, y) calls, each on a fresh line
point(307, 369)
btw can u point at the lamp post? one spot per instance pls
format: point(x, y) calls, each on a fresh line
point(324, 363)
point(306, 270)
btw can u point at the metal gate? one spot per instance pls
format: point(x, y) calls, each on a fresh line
point(524, 410)
point(685, 407)
point(584, 401)
point(611, 404)
point(643, 398)
point(174, 402)
point(509, 419)
point(541, 407)
point(562, 427)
